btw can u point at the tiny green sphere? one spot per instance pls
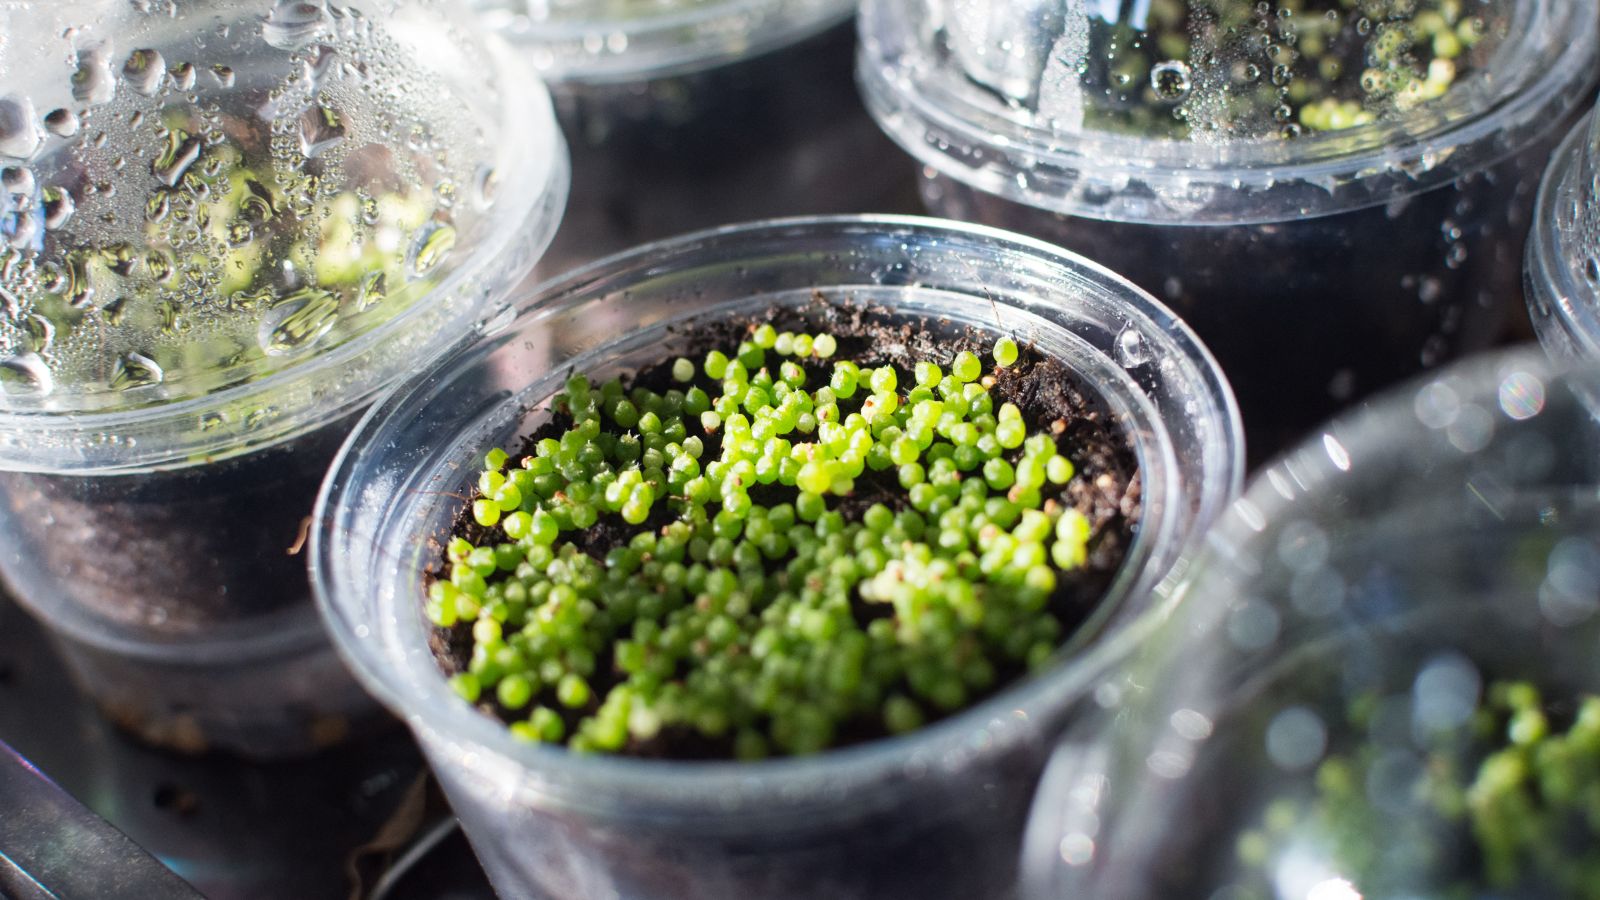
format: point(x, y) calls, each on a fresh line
point(572, 691)
point(486, 512)
point(966, 366)
point(1005, 352)
point(716, 365)
point(682, 370)
point(514, 691)
point(824, 346)
point(765, 336)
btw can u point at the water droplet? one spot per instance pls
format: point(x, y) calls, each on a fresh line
point(19, 135)
point(61, 123)
point(135, 370)
point(144, 71)
point(297, 320)
point(293, 24)
point(373, 291)
point(1170, 80)
point(487, 184)
point(223, 75)
point(93, 82)
point(58, 207)
point(370, 211)
point(25, 374)
point(1131, 350)
point(17, 179)
point(239, 234)
point(41, 332)
point(175, 159)
point(317, 65)
point(320, 127)
point(431, 248)
point(183, 76)
point(1591, 270)
point(158, 206)
point(78, 288)
point(258, 206)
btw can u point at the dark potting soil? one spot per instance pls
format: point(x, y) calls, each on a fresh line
point(1307, 317)
point(1106, 488)
point(172, 553)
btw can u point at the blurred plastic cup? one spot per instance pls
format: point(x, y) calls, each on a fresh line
point(225, 228)
point(936, 813)
point(690, 114)
point(1323, 710)
point(1333, 195)
point(1563, 265)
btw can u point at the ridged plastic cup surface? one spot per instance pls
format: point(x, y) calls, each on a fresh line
point(1297, 721)
point(1335, 196)
point(1563, 262)
point(691, 114)
point(936, 813)
point(225, 228)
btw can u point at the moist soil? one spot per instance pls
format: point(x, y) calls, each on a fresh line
point(1053, 399)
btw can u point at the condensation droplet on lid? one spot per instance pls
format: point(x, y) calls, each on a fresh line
point(17, 179)
point(58, 207)
point(93, 82)
point(1131, 350)
point(134, 370)
point(25, 374)
point(319, 128)
point(144, 70)
point(183, 76)
point(223, 74)
point(374, 290)
point(175, 159)
point(41, 332)
point(297, 321)
point(19, 133)
point(1171, 80)
point(431, 248)
point(294, 24)
point(61, 123)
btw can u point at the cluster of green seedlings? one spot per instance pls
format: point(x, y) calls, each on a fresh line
point(733, 605)
point(1297, 65)
point(1521, 793)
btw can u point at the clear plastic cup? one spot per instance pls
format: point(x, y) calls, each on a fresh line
point(932, 814)
point(226, 228)
point(1328, 223)
point(1303, 720)
point(691, 114)
point(1563, 261)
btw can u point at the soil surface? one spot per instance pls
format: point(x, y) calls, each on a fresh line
point(1106, 487)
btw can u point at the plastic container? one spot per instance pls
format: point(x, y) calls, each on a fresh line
point(1563, 264)
point(935, 813)
point(1301, 720)
point(1195, 155)
point(691, 114)
point(227, 228)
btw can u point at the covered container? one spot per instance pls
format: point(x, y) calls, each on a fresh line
point(1335, 195)
point(225, 226)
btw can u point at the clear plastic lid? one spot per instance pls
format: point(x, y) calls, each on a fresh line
point(632, 40)
point(1379, 679)
point(1219, 111)
point(222, 222)
point(1564, 251)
